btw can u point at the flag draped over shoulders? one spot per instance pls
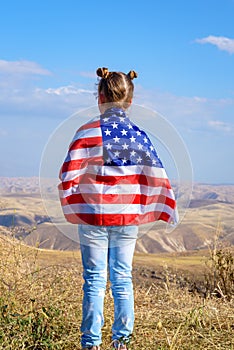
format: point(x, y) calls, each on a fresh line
point(112, 175)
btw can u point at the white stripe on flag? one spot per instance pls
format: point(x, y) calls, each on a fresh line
point(85, 189)
point(117, 208)
point(125, 170)
point(72, 174)
point(87, 133)
point(83, 153)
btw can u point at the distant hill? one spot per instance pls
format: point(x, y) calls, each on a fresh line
point(211, 206)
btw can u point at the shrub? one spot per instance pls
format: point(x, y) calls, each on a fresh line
point(220, 278)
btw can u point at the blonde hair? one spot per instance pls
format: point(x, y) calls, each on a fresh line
point(117, 87)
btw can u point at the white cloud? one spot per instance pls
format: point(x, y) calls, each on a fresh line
point(221, 126)
point(223, 43)
point(22, 67)
point(185, 113)
point(174, 107)
point(188, 114)
point(60, 101)
point(68, 90)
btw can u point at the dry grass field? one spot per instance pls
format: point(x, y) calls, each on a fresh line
point(41, 293)
point(183, 281)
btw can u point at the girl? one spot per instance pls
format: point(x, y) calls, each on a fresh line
point(112, 181)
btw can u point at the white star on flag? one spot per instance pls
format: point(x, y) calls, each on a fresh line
point(124, 132)
point(116, 139)
point(107, 132)
point(125, 146)
point(140, 146)
point(114, 125)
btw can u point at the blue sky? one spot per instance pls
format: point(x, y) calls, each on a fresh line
point(182, 50)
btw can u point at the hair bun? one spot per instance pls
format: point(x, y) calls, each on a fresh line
point(132, 74)
point(102, 72)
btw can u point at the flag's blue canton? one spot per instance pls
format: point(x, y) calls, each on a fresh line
point(124, 143)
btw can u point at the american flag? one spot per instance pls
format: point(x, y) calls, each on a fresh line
point(112, 175)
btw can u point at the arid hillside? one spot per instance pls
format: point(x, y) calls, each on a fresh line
point(210, 210)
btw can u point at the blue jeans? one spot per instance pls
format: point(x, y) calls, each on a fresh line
point(103, 246)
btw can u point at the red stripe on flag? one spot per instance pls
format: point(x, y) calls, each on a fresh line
point(78, 164)
point(125, 180)
point(86, 143)
point(116, 219)
point(95, 198)
point(95, 124)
